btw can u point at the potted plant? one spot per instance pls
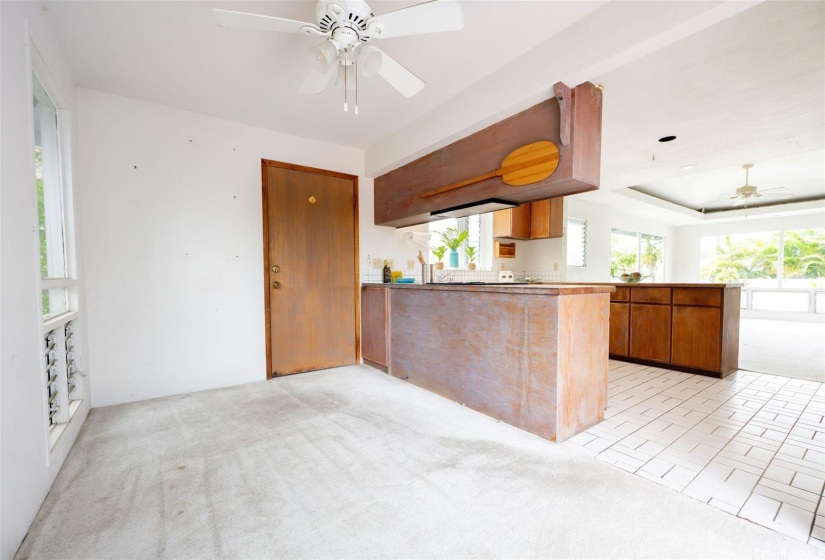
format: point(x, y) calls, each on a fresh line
point(439, 254)
point(471, 257)
point(453, 239)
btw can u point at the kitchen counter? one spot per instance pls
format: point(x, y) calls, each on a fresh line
point(532, 355)
point(510, 288)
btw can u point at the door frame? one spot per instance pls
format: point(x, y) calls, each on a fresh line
point(356, 255)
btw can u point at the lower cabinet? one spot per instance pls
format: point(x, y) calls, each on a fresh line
point(375, 318)
point(697, 340)
point(692, 328)
point(650, 332)
point(619, 329)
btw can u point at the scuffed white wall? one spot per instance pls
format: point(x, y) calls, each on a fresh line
point(174, 251)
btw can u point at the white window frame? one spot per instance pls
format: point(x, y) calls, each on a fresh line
point(69, 282)
point(583, 242)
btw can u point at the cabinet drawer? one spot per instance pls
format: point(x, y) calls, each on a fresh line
point(709, 297)
point(650, 295)
point(622, 293)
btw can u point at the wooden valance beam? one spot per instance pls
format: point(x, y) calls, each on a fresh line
point(572, 119)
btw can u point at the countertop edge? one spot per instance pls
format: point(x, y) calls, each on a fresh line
point(551, 289)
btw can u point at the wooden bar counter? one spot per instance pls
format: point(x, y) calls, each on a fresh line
point(534, 356)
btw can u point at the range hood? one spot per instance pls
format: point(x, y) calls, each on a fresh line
point(479, 207)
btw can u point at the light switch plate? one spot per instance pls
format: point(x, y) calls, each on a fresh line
point(410, 264)
point(389, 262)
point(377, 263)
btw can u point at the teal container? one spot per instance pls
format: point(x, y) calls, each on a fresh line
point(453, 258)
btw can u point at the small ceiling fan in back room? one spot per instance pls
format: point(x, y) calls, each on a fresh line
point(748, 193)
point(347, 26)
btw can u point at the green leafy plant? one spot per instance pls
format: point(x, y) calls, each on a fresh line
point(470, 251)
point(439, 251)
point(453, 238)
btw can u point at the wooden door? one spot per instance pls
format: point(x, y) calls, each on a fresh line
point(310, 268)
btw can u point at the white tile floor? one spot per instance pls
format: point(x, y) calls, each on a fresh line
point(751, 444)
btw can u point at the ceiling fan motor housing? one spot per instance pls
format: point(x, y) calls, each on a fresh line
point(337, 15)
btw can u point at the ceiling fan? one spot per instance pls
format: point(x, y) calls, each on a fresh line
point(347, 26)
point(749, 193)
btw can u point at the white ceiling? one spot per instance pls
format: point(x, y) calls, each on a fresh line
point(173, 53)
point(742, 88)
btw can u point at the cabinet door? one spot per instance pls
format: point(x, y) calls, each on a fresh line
point(619, 328)
point(512, 223)
point(696, 337)
point(375, 325)
point(547, 218)
point(650, 332)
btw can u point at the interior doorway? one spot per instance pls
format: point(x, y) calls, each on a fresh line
point(310, 224)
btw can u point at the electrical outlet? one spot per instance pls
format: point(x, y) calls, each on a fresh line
point(377, 263)
point(410, 264)
point(389, 262)
point(555, 267)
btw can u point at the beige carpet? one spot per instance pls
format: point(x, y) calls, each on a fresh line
point(352, 463)
point(788, 348)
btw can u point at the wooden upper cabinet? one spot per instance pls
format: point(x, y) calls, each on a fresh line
point(537, 220)
point(512, 223)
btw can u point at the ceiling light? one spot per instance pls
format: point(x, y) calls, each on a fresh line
point(667, 139)
point(368, 60)
point(323, 55)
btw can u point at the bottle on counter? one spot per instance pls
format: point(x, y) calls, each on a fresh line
point(387, 273)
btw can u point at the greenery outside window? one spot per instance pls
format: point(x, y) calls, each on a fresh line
point(632, 251)
point(775, 259)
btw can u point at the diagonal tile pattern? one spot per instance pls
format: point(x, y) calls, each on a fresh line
point(750, 444)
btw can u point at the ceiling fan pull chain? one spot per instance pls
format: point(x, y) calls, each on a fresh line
point(346, 108)
point(355, 71)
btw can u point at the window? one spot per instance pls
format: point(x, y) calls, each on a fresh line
point(63, 390)
point(773, 259)
point(631, 251)
point(576, 242)
point(479, 229)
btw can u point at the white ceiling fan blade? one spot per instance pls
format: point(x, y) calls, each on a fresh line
point(774, 189)
point(740, 200)
point(316, 81)
point(429, 17)
point(776, 194)
point(240, 20)
point(407, 83)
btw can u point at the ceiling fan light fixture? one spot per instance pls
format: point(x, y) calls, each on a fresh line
point(323, 56)
point(368, 60)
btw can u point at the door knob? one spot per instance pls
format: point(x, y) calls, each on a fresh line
point(276, 285)
point(276, 269)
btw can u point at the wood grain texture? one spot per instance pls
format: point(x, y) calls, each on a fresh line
point(650, 295)
point(398, 199)
point(582, 362)
point(650, 331)
point(730, 330)
point(696, 339)
point(547, 218)
point(375, 324)
point(619, 329)
point(698, 296)
point(622, 293)
point(512, 223)
point(564, 96)
point(499, 352)
point(313, 315)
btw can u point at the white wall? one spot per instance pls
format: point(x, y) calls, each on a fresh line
point(172, 216)
point(600, 220)
point(27, 465)
point(688, 238)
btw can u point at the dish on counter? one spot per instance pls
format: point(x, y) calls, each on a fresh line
point(405, 280)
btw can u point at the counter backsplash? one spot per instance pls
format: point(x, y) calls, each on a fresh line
point(375, 277)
